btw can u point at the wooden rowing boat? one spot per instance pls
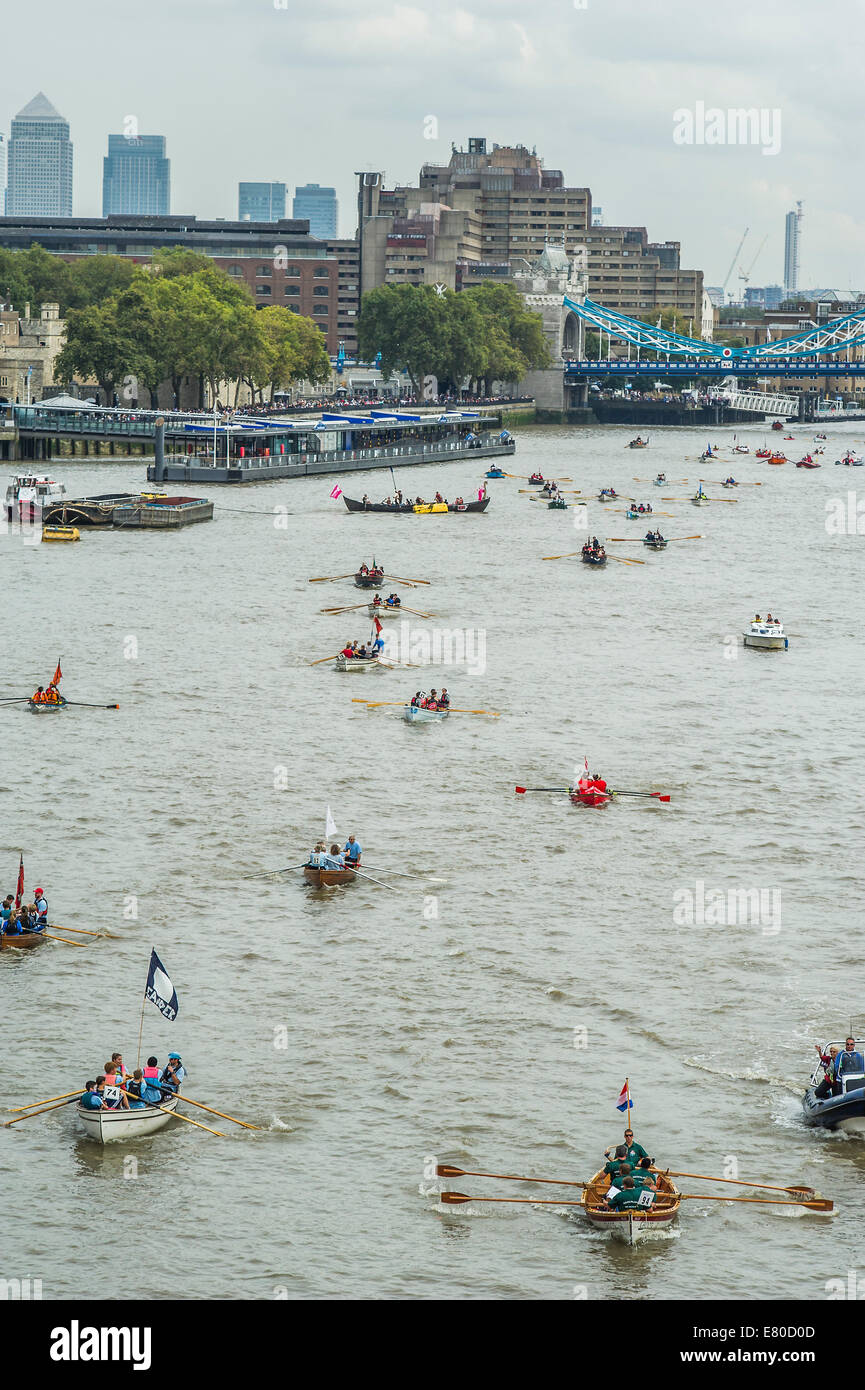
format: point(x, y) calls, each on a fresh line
point(23, 942)
point(415, 714)
point(536, 480)
point(608, 496)
point(384, 610)
point(590, 557)
point(47, 706)
point(631, 1226)
point(557, 504)
point(371, 580)
point(108, 1126)
point(356, 663)
point(416, 508)
point(655, 545)
point(327, 878)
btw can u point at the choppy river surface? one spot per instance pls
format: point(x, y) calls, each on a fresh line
point(488, 1014)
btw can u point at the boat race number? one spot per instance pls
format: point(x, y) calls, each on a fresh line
point(111, 1095)
point(646, 1198)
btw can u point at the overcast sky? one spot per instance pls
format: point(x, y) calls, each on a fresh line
point(310, 92)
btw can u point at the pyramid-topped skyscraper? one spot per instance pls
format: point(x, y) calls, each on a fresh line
point(39, 178)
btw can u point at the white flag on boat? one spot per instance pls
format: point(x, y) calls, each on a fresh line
point(329, 826)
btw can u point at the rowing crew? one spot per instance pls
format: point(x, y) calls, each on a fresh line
point(366, 573)
point(335, 858)
point(363, 651)
point(643, 508)
point(595, 783)
point(432, 701)
point(653, 536)
point(593, 547)
point(631, 1174)
point(118, 1089)
point(29, 917)
point(392, 601)
point(51, 696)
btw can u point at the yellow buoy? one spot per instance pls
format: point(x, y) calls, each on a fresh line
point(61, 533)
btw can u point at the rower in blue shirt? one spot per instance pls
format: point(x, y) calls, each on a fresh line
point(173, 1073)
point(90, 1100)
point(353, 850)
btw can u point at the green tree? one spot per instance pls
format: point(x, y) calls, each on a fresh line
point(98, 344)
point(408, 325)
point(93, 279)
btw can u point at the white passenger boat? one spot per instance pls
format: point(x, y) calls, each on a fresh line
point(26, 492)
point(768, 635)
point(108, 1126)
point(413, 714)
point(356, 663)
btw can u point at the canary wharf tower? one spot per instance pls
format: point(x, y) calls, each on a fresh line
point(39, 177)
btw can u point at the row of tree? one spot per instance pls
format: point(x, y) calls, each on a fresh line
point(480, 335)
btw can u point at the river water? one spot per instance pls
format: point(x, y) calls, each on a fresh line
point(486, 1014)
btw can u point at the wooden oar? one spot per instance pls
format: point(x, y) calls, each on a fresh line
point(328, 578)
point(422, 878)
point(186, 1118)
point(347, 608)
point(323, 658)
point(803, 1189)
point(619, 561)
point(402, 580)
point(267, 872)
point(82, 704)
point(567, 556)
point(372, 880)
point(454, 710)
point(81, 931)
point(817, 1204)
point(686, 538)
point(189, 1101)
point(31, 1113)
point(15, 700)
point(446, 1170)
point(16, 1110)
point(812, 1203)
point(455, 1199)
point(82, 945)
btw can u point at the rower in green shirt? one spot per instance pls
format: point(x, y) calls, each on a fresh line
point(643, 1175)
point(628, 1199)
point(633, 1152)
point(613, 1166)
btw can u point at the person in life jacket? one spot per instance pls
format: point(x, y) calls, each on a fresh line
point(598, 783)
point(117, 1059)
point(173, 1073)
point(133, 1087)
point(113, 1078)
point(90, 1100)
point(41, 904)
point(52, 695)
point(14, 925)
point(38, 697)
point(150, 1089)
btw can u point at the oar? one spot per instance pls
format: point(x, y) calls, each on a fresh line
point(402, 580)
point(521, 791)
point(347, 608)
point(454, 710)
point(423, 878)
point(812, 1203)
point(82, 945)
point(267, 872)
point(619, 561)
point(83, 704)
point(327, 578)
point(446, 1170)
point(15, 700)
point(81, 931)
point(803, 1190)
point(374, 704)
point(417, 611)
point(16, 1110)
point(373, 880)
point(816, 1204)
point(567, 556)
point(188, 1100)
point(31, 1113)
point(659, 795)
point(686, 538)
point(323, 658)
point(455, 1199)
point(186, 1118)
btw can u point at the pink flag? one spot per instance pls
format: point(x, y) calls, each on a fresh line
point(337, 491)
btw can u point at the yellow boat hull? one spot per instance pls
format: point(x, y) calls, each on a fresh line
point(61, 533)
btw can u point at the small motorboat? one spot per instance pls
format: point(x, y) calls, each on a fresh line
point(851, 458)
point(26, 493)
point(844, 1110)
point(631, 1226)
point(416, 714)
point(108, 1126)
point(741, 449)
point(808, 463)
point(769, 636)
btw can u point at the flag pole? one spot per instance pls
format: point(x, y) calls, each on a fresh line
point(629, 1125)
point(141, 1026)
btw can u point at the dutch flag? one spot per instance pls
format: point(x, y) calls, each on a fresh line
point(624, 1102)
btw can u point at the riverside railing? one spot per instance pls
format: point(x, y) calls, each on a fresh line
point(392, 451)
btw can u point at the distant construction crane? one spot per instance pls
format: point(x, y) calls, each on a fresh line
point(745, 275)
point(733, 262)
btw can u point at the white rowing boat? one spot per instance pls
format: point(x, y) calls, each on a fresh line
point(356, 663)
point(108, 1126)
point(414, 714)
point(383, 611)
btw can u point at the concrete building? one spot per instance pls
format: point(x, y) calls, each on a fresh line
point(501, 207)
point(39, 175)
point(3, 148)
point(792, 232)
point(319, 206)
point(280, 262)
point(260, 202)
point(28, 347)
point(136, 177)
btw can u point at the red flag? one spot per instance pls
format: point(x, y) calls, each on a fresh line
point(19, 891)
point(58, 674)
point(377, 626)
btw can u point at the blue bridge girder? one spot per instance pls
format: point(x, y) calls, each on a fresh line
point(719, 367)
point(814, 342)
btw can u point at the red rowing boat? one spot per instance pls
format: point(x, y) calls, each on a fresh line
point(589, 796)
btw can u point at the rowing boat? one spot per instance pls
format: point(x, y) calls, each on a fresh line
point(107, 1126)
point(639, 444)
point(604, 496)
point(558, 504)
point(355, 663)
point(327, 878)
point(631, 1226)
point(370, 580)
point(807, 463)
point(46, 706)
point(660, 482)
point(777, 458)
point(23, 941)
point(415, 714)
point(590, 796)
point(416, 508)
point(591, 557)
point(495, 473)
point(384, 610)
point(701, 500)
point(536, 480)
point(655, 545)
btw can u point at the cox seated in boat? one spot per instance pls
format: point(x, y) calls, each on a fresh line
point(51, 696)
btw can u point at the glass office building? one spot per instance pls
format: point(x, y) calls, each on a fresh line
point(39, 174)
point(319, 206)
point(260, 202)
point(136, 177)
